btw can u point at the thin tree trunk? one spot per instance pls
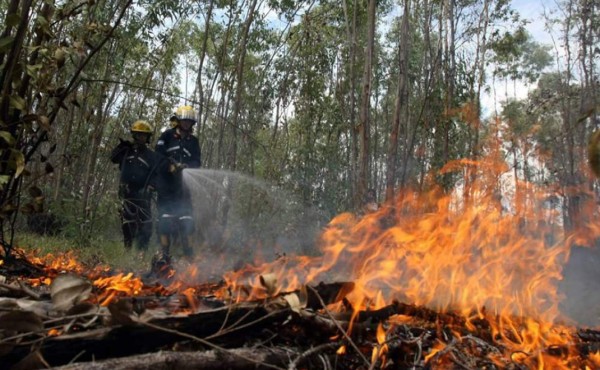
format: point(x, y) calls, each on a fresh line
point(352, 44)
point(364, 126)
point(237, 103)
point(401, 105)
point(199, 85)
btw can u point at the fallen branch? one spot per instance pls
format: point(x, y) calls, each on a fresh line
point(234, 359)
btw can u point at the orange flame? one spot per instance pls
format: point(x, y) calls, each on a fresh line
point(490, 249)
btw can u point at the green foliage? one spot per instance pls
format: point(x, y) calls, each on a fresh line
point(99, 252)
point(73, 83)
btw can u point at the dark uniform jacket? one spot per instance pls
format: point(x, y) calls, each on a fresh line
point(138, 166)
point(176, 149)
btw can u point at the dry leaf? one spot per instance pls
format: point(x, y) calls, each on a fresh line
point(82, 308)
point(269, 282)
point(151, 314)
point(67, 290)
point(40, 308)
point(34, 360)
point(294, 301)
point(121, 312)
point(21, 322)
point(7, 304)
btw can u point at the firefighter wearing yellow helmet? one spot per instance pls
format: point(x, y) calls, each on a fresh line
point(138, 169)
point(182, 151)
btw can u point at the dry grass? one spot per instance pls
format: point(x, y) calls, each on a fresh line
point(111, 253)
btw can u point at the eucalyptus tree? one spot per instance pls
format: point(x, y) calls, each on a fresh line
point(569, 97)
point(79, 72)
point(401, 103)
point(124, 83)
point(42, 66)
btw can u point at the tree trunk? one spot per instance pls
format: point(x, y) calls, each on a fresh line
point(199, 85)
point(401, 106)
point(239, 80)
point(352, 44)
point(364, 125)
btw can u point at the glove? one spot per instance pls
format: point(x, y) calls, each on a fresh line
point(176, 167)
point(124, 143)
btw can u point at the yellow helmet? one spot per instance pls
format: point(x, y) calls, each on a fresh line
point(141, 126)
point(186, 112)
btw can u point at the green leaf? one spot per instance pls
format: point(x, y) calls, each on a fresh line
point(12, 20)
point(17, 102)
point(6, 42)
point(18, 159)
point(4, 179)
point(33, 70)
point(6, 136)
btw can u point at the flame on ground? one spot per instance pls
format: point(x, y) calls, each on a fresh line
point(491, 249)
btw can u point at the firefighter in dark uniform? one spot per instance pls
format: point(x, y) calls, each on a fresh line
point(138, 166)
point(182, 150)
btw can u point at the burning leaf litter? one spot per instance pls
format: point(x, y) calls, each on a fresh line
point(463, 280)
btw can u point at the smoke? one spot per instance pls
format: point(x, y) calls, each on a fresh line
point(240, 220)
point(581, 275)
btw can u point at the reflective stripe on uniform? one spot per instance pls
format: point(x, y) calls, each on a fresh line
point(144, 162)
point(187, 152)
point(173, 148)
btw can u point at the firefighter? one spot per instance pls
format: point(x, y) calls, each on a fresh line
point(138, 167)
point(182, 150)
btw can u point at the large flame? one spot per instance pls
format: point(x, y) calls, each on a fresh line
point(490, 249)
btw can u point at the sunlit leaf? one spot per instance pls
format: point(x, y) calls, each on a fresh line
point(17, 102)
point(18, 160)
point(33, 70)
point(4, 179)
point(294, 301)
point(7, 137)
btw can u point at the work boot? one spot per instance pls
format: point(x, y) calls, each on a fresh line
point(165, 245)
point(161, 265)
point(188, 251)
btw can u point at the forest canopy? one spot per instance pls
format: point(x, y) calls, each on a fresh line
point(323, 100)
